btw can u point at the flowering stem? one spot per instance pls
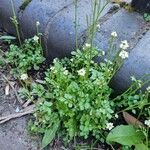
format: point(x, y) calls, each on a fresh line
point(129, 89)
point(15, 22)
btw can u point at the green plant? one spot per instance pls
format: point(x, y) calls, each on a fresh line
point(128, 135)
point(15, 22)
point(147, 17)
point(77, 94)
point(73, 95)
point(75, 98)
point(25, 57)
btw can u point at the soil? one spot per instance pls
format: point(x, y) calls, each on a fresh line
point(13, 134)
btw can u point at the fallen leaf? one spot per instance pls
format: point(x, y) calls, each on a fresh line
point(7, 88)
point(132, 120)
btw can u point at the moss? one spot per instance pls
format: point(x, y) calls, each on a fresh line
point(25, 4)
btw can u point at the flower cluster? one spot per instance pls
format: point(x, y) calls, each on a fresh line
point(81, 72)
point(123, 46)
point(114, 34)
point(148, 89)
point(24, 77)
point(109, 126)
point(147, 122)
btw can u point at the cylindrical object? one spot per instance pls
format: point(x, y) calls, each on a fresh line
point(57, 24)
point(137, 65)
point(6, 13)
point(41, 11)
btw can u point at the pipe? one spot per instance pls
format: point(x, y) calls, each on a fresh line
point(57, 25)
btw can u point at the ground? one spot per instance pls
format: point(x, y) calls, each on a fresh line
point(14, 134)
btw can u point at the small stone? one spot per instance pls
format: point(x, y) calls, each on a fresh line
point(17, 110)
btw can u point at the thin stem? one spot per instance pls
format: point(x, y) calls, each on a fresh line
point(15, 22)
point(76, 23)
point(130, 88)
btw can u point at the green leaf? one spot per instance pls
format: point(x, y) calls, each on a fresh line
point(125, 135)
point(141, 147)
point(50, 134)
point(7, 37)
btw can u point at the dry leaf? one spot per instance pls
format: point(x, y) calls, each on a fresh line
point(7, 88)
point(132, 120)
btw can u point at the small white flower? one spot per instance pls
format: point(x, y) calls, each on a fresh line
point(103, 53)
point(106, 60)
point(147, 122)
point(66, 72)
point(98, 26)
point(109, 126)
point(114, 34)
point(123, 54)
point(24, 77)
point(55, 60)
point(52, 68)
point(139, 83)
point(37, 23)
point(133, 78)
point(148, 89)
point(124, 45)
point(134, 111)
point(87, 45)
point(71, 59)
point(92, 62)
point(36, 38)
point(116, 116)
point(81, 72)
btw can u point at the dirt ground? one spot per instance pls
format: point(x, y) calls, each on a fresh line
point(13, 134)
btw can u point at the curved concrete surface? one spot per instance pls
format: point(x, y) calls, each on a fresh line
point(57, 24)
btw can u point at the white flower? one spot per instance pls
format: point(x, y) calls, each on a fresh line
point(37, 23)
point(123, 54)
point(116, 116)
point(52, 68)
point(98, 26)
point(24, 77)
point(103, 53)
point(148, 89)
point(55, 60)
point(36, 38)
point(147, 122)
point(87, 45)
point(124, 45)
point(133, 78)
point(114, 34)
point(81, 72)
point(106, 60)
point(66, 72)
point(133, 111)
point(139, 83)
point(92, 62)
point(109, 126)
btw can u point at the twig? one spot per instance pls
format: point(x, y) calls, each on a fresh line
point(26, 103)
point(15, 92)
point(26, 111)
